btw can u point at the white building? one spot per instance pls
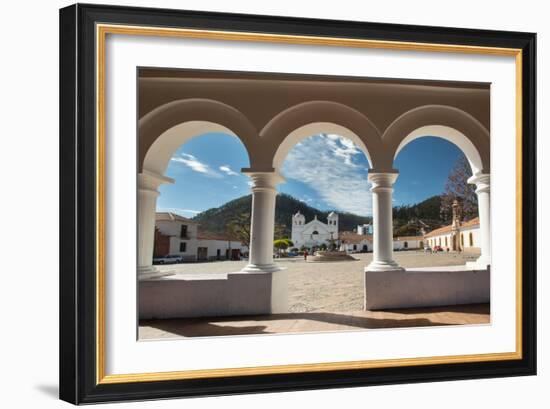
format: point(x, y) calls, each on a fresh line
point(364, 229)
point(315, 232)
point(354, 242)
point(408, 242)
point(466, 236)
point(179, 235)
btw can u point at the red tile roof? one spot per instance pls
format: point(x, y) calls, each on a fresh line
point(206, 235)
point(354, 238)
point(169, 216)
point(408, 238)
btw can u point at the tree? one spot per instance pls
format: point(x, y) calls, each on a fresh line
point(239, 227)
point(280, 231)
point(406, 230)
point(458, 188)
point(282, 244)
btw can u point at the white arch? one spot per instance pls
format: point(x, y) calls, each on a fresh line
point(451, 135)
point(159, 154)
point(312, 129)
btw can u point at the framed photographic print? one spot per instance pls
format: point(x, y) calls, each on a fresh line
point(258, 203)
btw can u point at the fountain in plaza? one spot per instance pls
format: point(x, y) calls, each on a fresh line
point(331, 254)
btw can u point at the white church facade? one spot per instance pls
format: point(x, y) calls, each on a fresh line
point(313, 233)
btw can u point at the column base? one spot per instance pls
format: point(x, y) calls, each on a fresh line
point(261, 268)
point(383, 266)
point(151, 272)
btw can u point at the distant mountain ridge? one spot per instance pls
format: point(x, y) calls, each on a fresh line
point(408, 220)
point(216, 219)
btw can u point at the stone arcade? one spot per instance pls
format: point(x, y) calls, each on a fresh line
point(379, 116)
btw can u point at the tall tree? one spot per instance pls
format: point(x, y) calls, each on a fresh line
point(458, 188)
point(239, 227)
point(279, 231)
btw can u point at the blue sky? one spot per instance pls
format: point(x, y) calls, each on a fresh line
point(325, 171)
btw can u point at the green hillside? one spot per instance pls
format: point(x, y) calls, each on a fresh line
point(217, 218)
point(408, 220)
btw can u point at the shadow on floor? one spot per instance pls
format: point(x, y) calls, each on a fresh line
point(200, 327)
point(305, 322)
point(481, 309)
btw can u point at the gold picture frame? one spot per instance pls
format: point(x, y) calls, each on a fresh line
point(103, 22)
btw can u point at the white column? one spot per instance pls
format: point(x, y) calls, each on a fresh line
point(483, 191)
point(262, 221)
point(382, 209)
point(148, 183)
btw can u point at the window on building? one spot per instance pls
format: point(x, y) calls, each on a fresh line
point(471, 240)
point(183, 247)
point(446, 245)
point(405, 244)
point(183, 232)
point(462, 240)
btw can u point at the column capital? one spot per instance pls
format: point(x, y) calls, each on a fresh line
point(482, 181)
point(264, 180)
point(148, 180)
point(382, 180)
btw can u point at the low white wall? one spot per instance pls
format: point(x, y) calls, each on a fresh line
point(426, 287)
point(217, 295)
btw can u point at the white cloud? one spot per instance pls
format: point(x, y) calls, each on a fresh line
point(335, 168)
point(196, 165)
point(342, 147)
point(227, 170)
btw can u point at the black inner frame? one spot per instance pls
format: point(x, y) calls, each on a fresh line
point(77, 204)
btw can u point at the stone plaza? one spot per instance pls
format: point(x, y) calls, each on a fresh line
point(321, 297)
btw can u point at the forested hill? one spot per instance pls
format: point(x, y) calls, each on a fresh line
point(407, 219)
point(216, 219)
